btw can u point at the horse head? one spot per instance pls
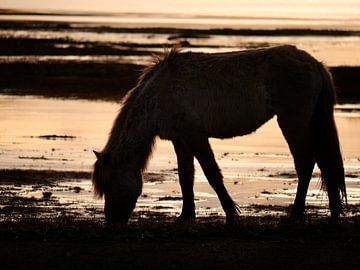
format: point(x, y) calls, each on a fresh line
point(119, 183)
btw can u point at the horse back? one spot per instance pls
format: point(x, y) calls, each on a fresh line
point(230, 94)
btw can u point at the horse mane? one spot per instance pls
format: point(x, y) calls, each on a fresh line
point(157, 61)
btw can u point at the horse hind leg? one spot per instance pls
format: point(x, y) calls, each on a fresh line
point(299, 141)
point(185, 159)
point(204, 154)
point(307, 149)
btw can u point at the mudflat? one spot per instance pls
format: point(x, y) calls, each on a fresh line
point(47, 232)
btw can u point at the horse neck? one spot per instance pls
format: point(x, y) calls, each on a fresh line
point(132, 138)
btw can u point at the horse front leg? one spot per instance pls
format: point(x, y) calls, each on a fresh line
point(204, 154)
point(185, 160)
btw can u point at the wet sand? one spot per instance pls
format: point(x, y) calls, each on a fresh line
point(47, 232)
point(46, 224)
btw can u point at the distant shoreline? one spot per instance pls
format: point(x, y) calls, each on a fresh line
point(174, 29)
point(65, 67)
point(111, 81)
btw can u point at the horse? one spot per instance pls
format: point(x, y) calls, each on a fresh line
point(188, 97)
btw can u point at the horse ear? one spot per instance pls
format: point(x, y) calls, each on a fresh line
point(97, 154)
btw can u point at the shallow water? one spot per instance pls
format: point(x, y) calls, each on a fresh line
point(332, 50)
point(85, 18)
point(58, 134)
point(54, 134)
point(245, 13)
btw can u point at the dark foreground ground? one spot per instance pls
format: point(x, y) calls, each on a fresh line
point(158, 243)
point(45, 233)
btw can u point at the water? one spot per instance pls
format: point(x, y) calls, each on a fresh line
point(332, 50)
point(25, 120)
point(246, 14)
point(233, 13)
point(258, 168)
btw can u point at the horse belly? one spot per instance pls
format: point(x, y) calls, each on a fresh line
point(231, 121)
point(224, 105)
point(228, 114)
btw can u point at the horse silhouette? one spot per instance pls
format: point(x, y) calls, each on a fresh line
point(189, 97)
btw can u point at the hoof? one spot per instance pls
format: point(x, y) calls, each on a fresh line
point(297, 216)
point(232, 220)
point(295, 219)
point(335, 217)
point(233, 215)
point(336, 212)
point(297, 213)
point(188, 219)
point(115, 226)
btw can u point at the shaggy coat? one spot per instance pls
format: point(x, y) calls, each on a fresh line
point(189, 97)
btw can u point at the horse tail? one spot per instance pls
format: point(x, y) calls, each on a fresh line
point(326, 144)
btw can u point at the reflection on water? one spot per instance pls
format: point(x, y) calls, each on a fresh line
point(23, 120)
point(82, 126)
point(258, 168)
